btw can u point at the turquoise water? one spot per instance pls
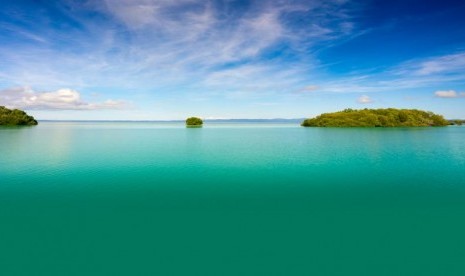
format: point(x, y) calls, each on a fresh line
point(81, 198)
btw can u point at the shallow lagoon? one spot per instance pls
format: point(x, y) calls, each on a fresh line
point(138, 198)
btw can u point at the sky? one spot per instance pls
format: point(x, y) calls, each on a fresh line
point(171, 59)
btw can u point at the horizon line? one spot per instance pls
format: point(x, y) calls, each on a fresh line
point(175, 120)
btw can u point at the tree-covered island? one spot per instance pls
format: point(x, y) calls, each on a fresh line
point(194, 122)
point(389, 117)
point(15, 117)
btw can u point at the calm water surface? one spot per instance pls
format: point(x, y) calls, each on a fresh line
point(83, 198)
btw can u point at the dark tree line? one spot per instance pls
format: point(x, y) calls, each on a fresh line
point(15, 117)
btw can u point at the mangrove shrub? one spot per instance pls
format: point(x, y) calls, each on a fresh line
point(194, 121)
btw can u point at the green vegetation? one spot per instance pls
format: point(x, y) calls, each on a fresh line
point(15, 117)
point(389, 117)
point(194, 122)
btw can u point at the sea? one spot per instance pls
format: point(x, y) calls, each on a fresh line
point(231, 198)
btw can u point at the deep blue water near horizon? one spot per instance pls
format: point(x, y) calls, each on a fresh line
point(141, 198)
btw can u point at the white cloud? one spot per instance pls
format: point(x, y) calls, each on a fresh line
point(364, 99)
point(449, 94)
point(62, 99)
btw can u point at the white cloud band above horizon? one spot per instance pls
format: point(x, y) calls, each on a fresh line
point(61, 99)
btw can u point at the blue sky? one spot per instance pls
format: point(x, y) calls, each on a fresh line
point(168, 59)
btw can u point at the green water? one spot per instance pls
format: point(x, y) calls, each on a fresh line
point(231, 199)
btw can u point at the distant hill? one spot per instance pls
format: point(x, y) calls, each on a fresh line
point(389, 117)
point(276, 120)
point(457, 122)
point(15, 117)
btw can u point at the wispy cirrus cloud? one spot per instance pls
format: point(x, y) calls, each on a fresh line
point(439, 65)
point(152, 44)
point(412, 74)
point(62, 99)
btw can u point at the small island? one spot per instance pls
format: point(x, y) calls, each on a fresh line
point(389, 117)
point(194, 122)
point(15, 117)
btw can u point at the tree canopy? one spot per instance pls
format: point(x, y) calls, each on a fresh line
point(15, 117)
point(194, 121)
point(389, 117)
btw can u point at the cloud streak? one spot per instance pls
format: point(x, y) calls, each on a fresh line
point(413, 74)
